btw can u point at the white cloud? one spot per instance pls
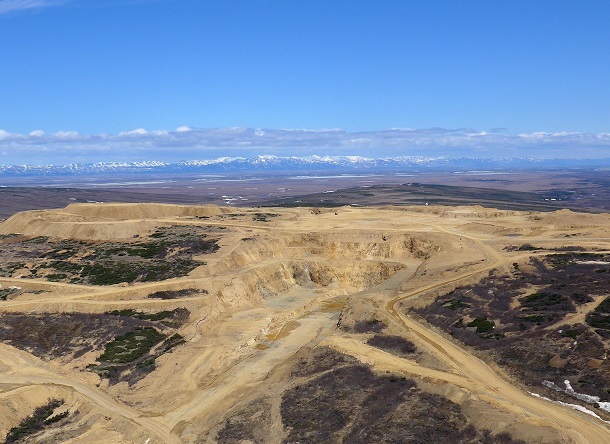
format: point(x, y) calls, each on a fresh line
point(17, 5)
point(135, 132)
point(70, 135)
point(4, 134)
point(186, 143)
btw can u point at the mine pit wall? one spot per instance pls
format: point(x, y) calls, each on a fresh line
point(317, 261)
point(268, 281)
point(370, 245)
point(328, 246)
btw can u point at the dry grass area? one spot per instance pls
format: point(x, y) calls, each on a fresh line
point(151, 323)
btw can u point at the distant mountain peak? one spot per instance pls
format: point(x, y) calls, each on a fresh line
point(276, 164)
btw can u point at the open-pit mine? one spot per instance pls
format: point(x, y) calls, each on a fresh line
point(159, 323)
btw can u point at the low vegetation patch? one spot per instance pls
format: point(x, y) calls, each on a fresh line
point(131, 346)
point(115, 272)
point(547, 301)
point(502, 307)
point(600, 317)
point(132, 356)
point(37, 421)
point(36, 240)
point(167, 254)
point(175, 294)
point(263, 217)
point(6, 292)
point(369, 326)
point(454, 304)
point(523, 247)
point(124, 341)
point(393, 344)
point(353, 404)
point(173, 341)
point(320, 359)
point(171, 318)
point(483, 325)
point(249, 424)
point(54, 335)
point(8, 269)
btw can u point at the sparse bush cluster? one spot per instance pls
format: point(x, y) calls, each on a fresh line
point(547, 302)
point(564, 282)
point(600, 317)
point(9, 268)
point(131, 346)
point(393, 344)
point(369, 326)
point(6, 292)
point(168, 254)
point(502, 307)
point(132, 356)
point(483, 325)
point(175, 294)
point(263, 217)
point(37, 421)
point(320, 359)
point(126, 339)
point(170, 318)
point(353, 404)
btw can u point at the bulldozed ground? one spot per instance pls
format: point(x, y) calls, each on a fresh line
point(158, 323)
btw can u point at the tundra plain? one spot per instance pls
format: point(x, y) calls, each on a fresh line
point(160, 323)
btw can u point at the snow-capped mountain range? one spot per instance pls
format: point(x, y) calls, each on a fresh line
point(279, 165)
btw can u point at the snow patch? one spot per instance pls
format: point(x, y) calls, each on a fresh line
point(573, 406)
point(569, 390)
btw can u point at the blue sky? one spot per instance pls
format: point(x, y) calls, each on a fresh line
point(483, 78)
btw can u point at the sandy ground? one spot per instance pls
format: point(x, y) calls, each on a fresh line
point(278, 292)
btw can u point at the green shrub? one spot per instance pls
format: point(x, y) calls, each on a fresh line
point(37, 240)
point(36, 421)
point(547, 301)
point(175, 294)
point(159, 316)
point(455, 304)
point(482, 324)
point(572, 333)
point(56, 277)
point(173, 341)
point(535, 319)
point(131, 346)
